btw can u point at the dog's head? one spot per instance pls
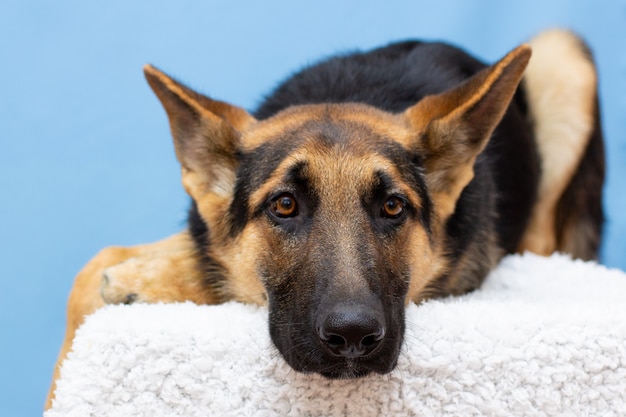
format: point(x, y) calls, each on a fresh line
point(334, 213)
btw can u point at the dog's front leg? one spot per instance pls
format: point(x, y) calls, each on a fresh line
point(165, 271)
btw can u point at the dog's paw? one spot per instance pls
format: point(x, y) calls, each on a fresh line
point(170, 276)
point(123, 283)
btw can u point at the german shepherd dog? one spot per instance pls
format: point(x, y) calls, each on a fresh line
point(366, 182)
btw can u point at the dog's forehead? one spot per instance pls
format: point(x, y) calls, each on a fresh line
point(328, 122)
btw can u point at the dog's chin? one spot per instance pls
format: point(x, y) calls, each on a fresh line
point(345, 369)
point(345, 373)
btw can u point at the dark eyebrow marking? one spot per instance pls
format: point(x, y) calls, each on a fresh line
point(297, 182)
point(411, 168)
point(255, 167)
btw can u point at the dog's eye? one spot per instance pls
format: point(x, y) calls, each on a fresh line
point(393, 207)
point(284, 205)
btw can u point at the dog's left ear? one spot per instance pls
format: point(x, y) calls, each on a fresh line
point(452, 128)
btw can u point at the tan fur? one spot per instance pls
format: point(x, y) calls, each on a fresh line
point(166, 271)
point(561, 86)
point(380, 122)
point(239, 258)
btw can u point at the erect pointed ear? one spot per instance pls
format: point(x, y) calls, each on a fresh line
point(206, 135)
point(452, 128)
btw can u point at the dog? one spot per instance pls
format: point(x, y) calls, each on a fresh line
point(366, 182)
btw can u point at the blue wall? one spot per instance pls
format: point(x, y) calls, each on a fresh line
point(86, 159)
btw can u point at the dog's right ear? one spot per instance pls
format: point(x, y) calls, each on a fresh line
point(453, 127)
point(206, 135)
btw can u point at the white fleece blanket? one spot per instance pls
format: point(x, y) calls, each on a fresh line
point(543, 337)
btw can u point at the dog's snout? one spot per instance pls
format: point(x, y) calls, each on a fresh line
point(351, 333)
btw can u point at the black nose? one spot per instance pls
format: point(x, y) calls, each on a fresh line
point(351, 332)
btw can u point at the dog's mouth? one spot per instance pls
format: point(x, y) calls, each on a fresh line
point(351, 369)
point(348, 373)
point(332, 368)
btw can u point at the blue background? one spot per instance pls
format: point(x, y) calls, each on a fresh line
point(86, 159)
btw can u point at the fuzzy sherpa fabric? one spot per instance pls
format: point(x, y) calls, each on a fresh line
point(543, 337)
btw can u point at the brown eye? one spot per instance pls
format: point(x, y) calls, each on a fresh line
point(284, 206)
point(393, 207)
